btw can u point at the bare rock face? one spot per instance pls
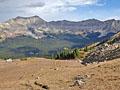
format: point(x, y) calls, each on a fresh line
point(21, 26)
point(105, 51)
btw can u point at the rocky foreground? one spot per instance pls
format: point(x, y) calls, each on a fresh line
point(43, 74)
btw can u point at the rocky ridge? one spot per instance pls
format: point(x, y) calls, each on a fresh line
point(38, 28)
point(105, 51)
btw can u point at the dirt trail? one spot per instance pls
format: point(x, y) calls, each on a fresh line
point(43, 74)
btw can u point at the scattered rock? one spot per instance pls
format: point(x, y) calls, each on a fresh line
point(9, 60)
point(92, 74)
point(38, 84)
point(41, 85)
point(37, 78)
point(80, 80)
point(56, 69)
point(45, 87)
point(103, 52)
point(28, 86)
point(99, 66)
point(32, 75)
point(87, 76)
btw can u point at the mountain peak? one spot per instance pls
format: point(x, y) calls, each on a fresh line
point(92, 20)
point(25, 20)
point(110, 20)
point(35, 17)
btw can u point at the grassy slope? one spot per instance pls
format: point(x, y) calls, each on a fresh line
point(44, 45)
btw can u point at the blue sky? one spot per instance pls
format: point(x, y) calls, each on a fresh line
point(73, 10)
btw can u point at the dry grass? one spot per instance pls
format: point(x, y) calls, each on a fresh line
point(58, 75)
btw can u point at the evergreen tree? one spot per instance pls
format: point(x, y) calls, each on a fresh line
point(86, 49)
point(76, 53)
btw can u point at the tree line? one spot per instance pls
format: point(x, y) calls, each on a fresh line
point(70, 53)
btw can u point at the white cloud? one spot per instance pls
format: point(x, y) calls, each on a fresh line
point(62, 3)
point(44, 8)
point(57, 7)
point(81, 2)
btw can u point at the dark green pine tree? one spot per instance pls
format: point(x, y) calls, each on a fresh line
point(76, 53)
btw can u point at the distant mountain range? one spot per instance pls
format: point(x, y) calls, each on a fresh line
point(39, 28)
point(57, 34)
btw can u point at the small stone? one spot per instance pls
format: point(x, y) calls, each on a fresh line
point(37, 77)
point(45, 87)
point(41, 85)
point(80, 80)
point(36, 83)
point(99, 66)
point(9, 60)
point(56, 69)
point(87, 76)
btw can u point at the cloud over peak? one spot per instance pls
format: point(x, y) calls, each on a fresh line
point(34, 5)
point(62, 3)
point(48, 9)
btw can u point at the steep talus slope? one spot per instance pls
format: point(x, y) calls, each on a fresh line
point(107, 50)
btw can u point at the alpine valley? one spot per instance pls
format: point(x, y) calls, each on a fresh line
point(33, 36)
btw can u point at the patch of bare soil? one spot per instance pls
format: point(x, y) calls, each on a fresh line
point(43, 74)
